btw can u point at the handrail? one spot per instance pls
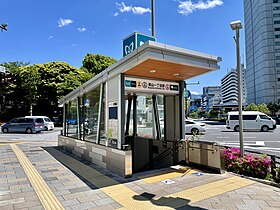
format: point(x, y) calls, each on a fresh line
point(155, 160)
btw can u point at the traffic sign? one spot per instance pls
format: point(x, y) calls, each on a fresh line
point(187, 94)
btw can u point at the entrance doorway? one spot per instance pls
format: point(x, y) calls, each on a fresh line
point(148, 128)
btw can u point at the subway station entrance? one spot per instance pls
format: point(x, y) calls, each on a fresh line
point(130, 117)
point(152, 121)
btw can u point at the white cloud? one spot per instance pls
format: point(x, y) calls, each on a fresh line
point(195, 93)
point(64, 22)
point(50, 37)
point(187, 7)
point(82, 29)
point(135, 10)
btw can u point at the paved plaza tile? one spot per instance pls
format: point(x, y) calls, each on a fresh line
point(75, 185)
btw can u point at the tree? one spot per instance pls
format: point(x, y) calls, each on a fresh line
point(10, 89)
point(29, 80)
point(40, 86)
point(251, 107)
point(263, 108)
point(214, 113)
point(260, 107)
point(273, 108)
point(57, 80)
point(194, 114)
point(96, 63)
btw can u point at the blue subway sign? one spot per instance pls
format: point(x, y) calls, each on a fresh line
point(134, 41)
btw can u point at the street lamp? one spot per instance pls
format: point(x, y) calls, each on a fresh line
point(153, 17)
point(236, 25)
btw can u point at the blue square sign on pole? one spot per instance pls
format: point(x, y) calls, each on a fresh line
point(134, 41)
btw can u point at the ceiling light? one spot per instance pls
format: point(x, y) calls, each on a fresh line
point(153, 71)
point(176, 75)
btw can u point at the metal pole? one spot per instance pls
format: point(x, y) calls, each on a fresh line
point(239, 73)
point(153, 17)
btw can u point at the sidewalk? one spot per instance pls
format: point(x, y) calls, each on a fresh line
point(39, 176)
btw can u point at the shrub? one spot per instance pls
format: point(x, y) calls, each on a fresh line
point(249, 165)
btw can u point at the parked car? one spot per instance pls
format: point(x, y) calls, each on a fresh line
point(48, 124)
point(24, 125)
point(194, 127)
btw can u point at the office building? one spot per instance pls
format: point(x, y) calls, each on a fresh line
point(211, 97)
point(229, 85)
point(262, 37)
point(195, 102)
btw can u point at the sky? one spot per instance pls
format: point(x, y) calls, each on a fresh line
point(41, 31)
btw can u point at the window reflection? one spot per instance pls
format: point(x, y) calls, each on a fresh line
point(91, 109)
point(72, 119)
point(145, 117)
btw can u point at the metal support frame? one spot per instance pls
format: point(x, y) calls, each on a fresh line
point(156, 117)
point(64, 119)
point(121, 113)
point(128, 115)
point(182, 109)
point(100, 112)
point(79, 117)
point(134, 115)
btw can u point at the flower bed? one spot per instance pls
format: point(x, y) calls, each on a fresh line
point(249, 165)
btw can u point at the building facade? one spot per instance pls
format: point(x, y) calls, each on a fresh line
point(262, 37)
point(211, 97)
point(229, 86)
point(195, 102)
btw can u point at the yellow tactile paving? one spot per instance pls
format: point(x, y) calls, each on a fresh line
point(212, 189)
point(166, 175)
point(46, 196)
point(127, 197)
point(8, 143)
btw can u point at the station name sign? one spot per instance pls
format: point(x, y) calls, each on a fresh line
point(151, 86)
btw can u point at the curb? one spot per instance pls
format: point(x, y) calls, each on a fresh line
point(267, 182)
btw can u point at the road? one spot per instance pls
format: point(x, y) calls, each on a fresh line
point(44, 136)
point(266, 142)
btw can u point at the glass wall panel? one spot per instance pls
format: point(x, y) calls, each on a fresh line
point(129, 108)
point(160, 106)
point(91, 109)
point(72, 119)
point(103, 136)
point(145, 117)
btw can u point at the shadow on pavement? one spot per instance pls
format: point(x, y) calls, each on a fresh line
point(175, 203)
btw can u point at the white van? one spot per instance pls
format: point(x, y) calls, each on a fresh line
point(252, 120)
point(48, 124)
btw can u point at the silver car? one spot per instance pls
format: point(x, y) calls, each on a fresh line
point(23, 125)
